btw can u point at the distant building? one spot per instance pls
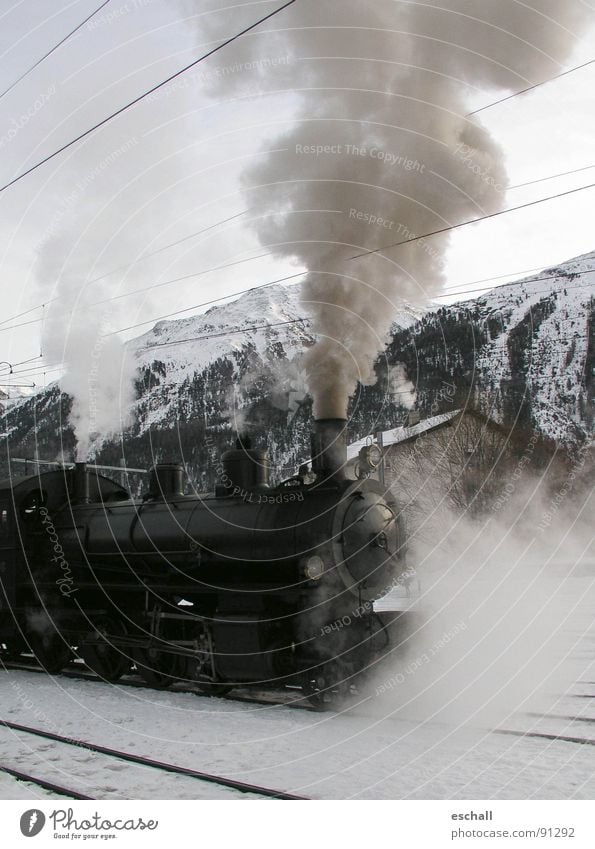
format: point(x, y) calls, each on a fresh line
point(453, 460)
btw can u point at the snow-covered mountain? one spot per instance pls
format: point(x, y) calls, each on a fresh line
point(540, 333)
point(524, 353)
point(262, 329)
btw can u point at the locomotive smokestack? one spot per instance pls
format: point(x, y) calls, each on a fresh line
point(80, 488)
point(329, 448)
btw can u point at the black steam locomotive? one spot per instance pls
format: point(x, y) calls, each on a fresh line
point(252, 585)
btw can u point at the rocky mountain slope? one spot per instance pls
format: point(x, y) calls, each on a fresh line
point(523, 353)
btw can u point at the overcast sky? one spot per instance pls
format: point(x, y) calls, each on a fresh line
point(170, 166)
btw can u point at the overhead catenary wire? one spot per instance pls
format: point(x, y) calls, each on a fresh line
point(551, 177)
point(556, 343)
point(129, 265)
point(163, 248)
point(250, 258)
point(469, 221)
point(205, 303)
point(142, 96)
point(53, 49)
point(529, 88)
point(445, 294)
point(301, 320)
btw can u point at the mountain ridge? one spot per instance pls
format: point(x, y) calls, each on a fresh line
point(522, 352)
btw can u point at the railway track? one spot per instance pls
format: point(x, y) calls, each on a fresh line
point(562, 717)
point(542, 735)
point(209, 778)
point(548, 735)
point(46, 785)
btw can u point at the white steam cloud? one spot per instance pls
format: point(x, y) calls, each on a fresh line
point(503, 615)
point(380, 149)
point(99, 370)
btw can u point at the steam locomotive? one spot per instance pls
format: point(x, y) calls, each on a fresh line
point(251, 585)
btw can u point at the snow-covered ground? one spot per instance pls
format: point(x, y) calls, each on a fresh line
point(398, 742)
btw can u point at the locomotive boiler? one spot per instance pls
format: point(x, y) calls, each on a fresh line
point(251, 585)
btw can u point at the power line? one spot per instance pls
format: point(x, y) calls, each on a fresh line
point(205, 303)
point(20, 324)
point(21, 363)
point(145, 94)
point(160, 250)
point(223, 333)
point(529, 88)
point(167, 283)
point(448, 293)
point(52, 367)
point(49, 53)
point(445, 294)
point(556, 342)
point(25, 312)
point(122, 267)
point(553, 342)
point(470, 221)
point(551, 177)
point(249, 259)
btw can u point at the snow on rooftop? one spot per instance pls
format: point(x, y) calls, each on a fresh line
point(402, 434)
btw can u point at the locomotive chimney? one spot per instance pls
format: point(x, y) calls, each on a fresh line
point(329, 448)
point(166, 481)
point(244, 469)
point(80, 486)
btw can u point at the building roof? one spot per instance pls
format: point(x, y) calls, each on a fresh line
point(402, 434)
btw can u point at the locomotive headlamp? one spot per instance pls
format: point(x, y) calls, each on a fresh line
point(314, 567)
point(370, 457)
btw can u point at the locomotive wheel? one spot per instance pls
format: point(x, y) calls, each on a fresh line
point(50, 650)
point(194, 670)
point(158, 669)
point(105, 659)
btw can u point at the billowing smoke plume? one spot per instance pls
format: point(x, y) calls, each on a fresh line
point(380, 149)
point(99, 371)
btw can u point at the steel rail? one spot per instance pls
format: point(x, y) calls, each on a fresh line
point(242, 786)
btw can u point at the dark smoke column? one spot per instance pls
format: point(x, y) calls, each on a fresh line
point(380, 151)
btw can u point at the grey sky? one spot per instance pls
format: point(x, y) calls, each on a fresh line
point(169, 167)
